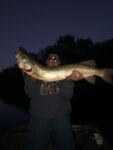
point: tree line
(71, 50)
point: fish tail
(108, 73)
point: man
(49, 109)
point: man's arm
(29, 86)
(67, 88)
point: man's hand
(76, 76)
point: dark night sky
(35, 24)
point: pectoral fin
(91, 79)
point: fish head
(24, 61)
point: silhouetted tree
(70, 51)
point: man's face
(53, 61)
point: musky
(36, 24)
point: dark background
(77, 30)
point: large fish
(36, 70)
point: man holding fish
(50, 108)
(50, 89)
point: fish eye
(24, 60)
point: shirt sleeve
(29, 86)
(67, 88)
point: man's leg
(38, 135)
(62, 131)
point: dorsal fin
(90, 63)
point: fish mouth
(28, 70)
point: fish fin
(108, 73)
(91, 63)
(91, 79)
